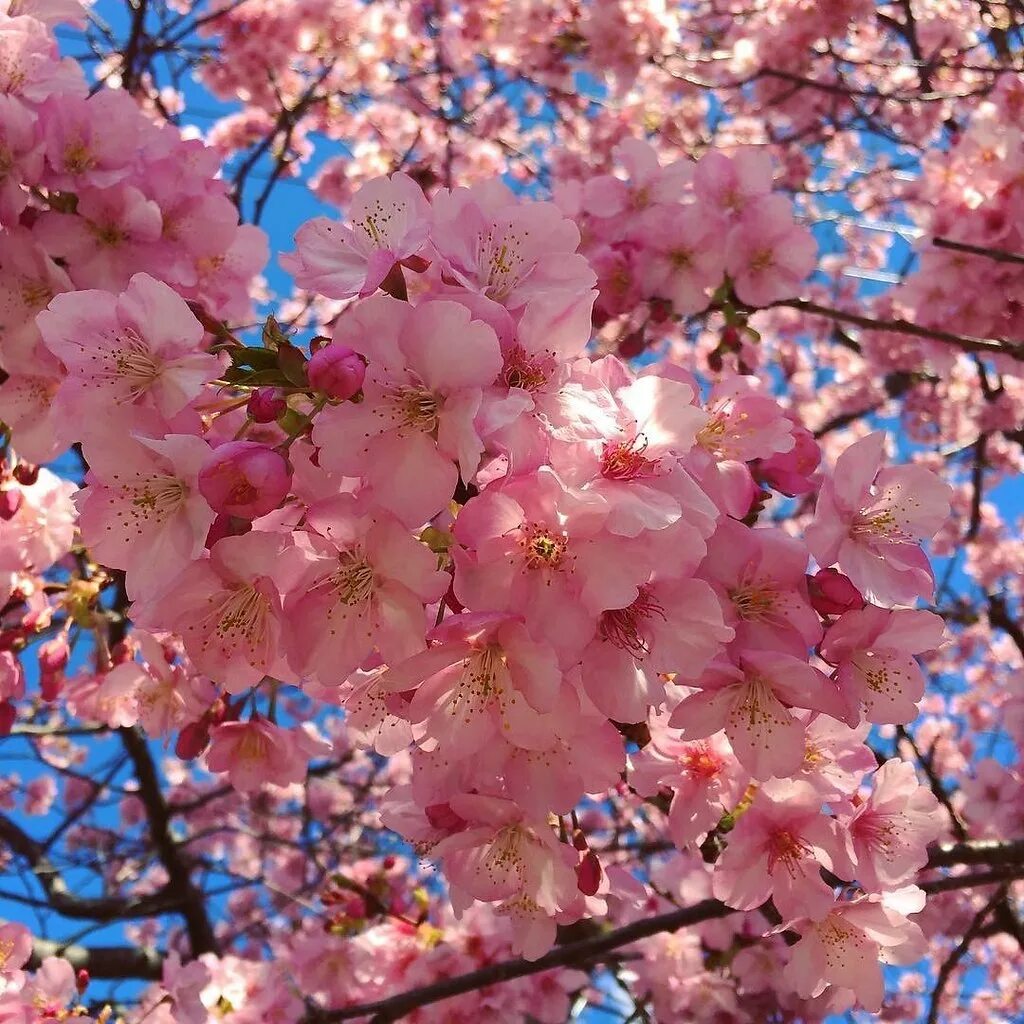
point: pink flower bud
(790, 472)
(832, 593)
(266, 404)
(588, 874)
(245, 479)
(26, 474)
(10, 502)
(441, 816)
(82, 981)
(50, 685)
(337, 371)
(192, 740)
(53, 655)
(12, 677)
(8, 716)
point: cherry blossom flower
(258, 752)
(138, 348)
(752, 702)
(413, 433)
(870, 520)
(141, 510)
(873, 650)
(365, 588)
(777, 848)
(389, 220)
(847, 948)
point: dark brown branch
(179, 881)
(1006, 858)
(965, 342)
(999, 255)
(386, 1010)
(103, 962)
(949, 964)
(62, 901)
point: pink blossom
(42, 529)
(705, 780)
(846, 948)
(244, 479)
(891, 830)
(258, 752)
(777, 848)
(15, 947)
(673, 626)
(873, 650)
(20, 158)
(365, 587)
(141, 348)
(413, 434)
(647, 184)
(227, 608)
(90, 143)
(686, 261)
(760, 575)
(109, 237)
(389, 219)
(536, 549)
(767, 255)
(141, 510)
(869, 521)
(752, 703)
(730, 185)
(28, 68)
(184, 983)
(502, 857)
(512, 252)
(483, 678)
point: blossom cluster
(92, 190)
(538, 578)
(492, 548)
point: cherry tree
(571, 570)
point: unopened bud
(832, 593)
(245, 479)
(337, 371)
(266, 404)
(192, 740)
(8, 716)
(588, 874)
(26, 473)
(10, 502)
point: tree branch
(965, 342)
(104, 962)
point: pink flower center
(881, 525)
(786, 849)
(625, 628)
(753, 603)
(625, 460)
(543, 549)
(354, 581)
(77, 158)
(36, 294)
(520, 371)
(702, 762)
(417, 406)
